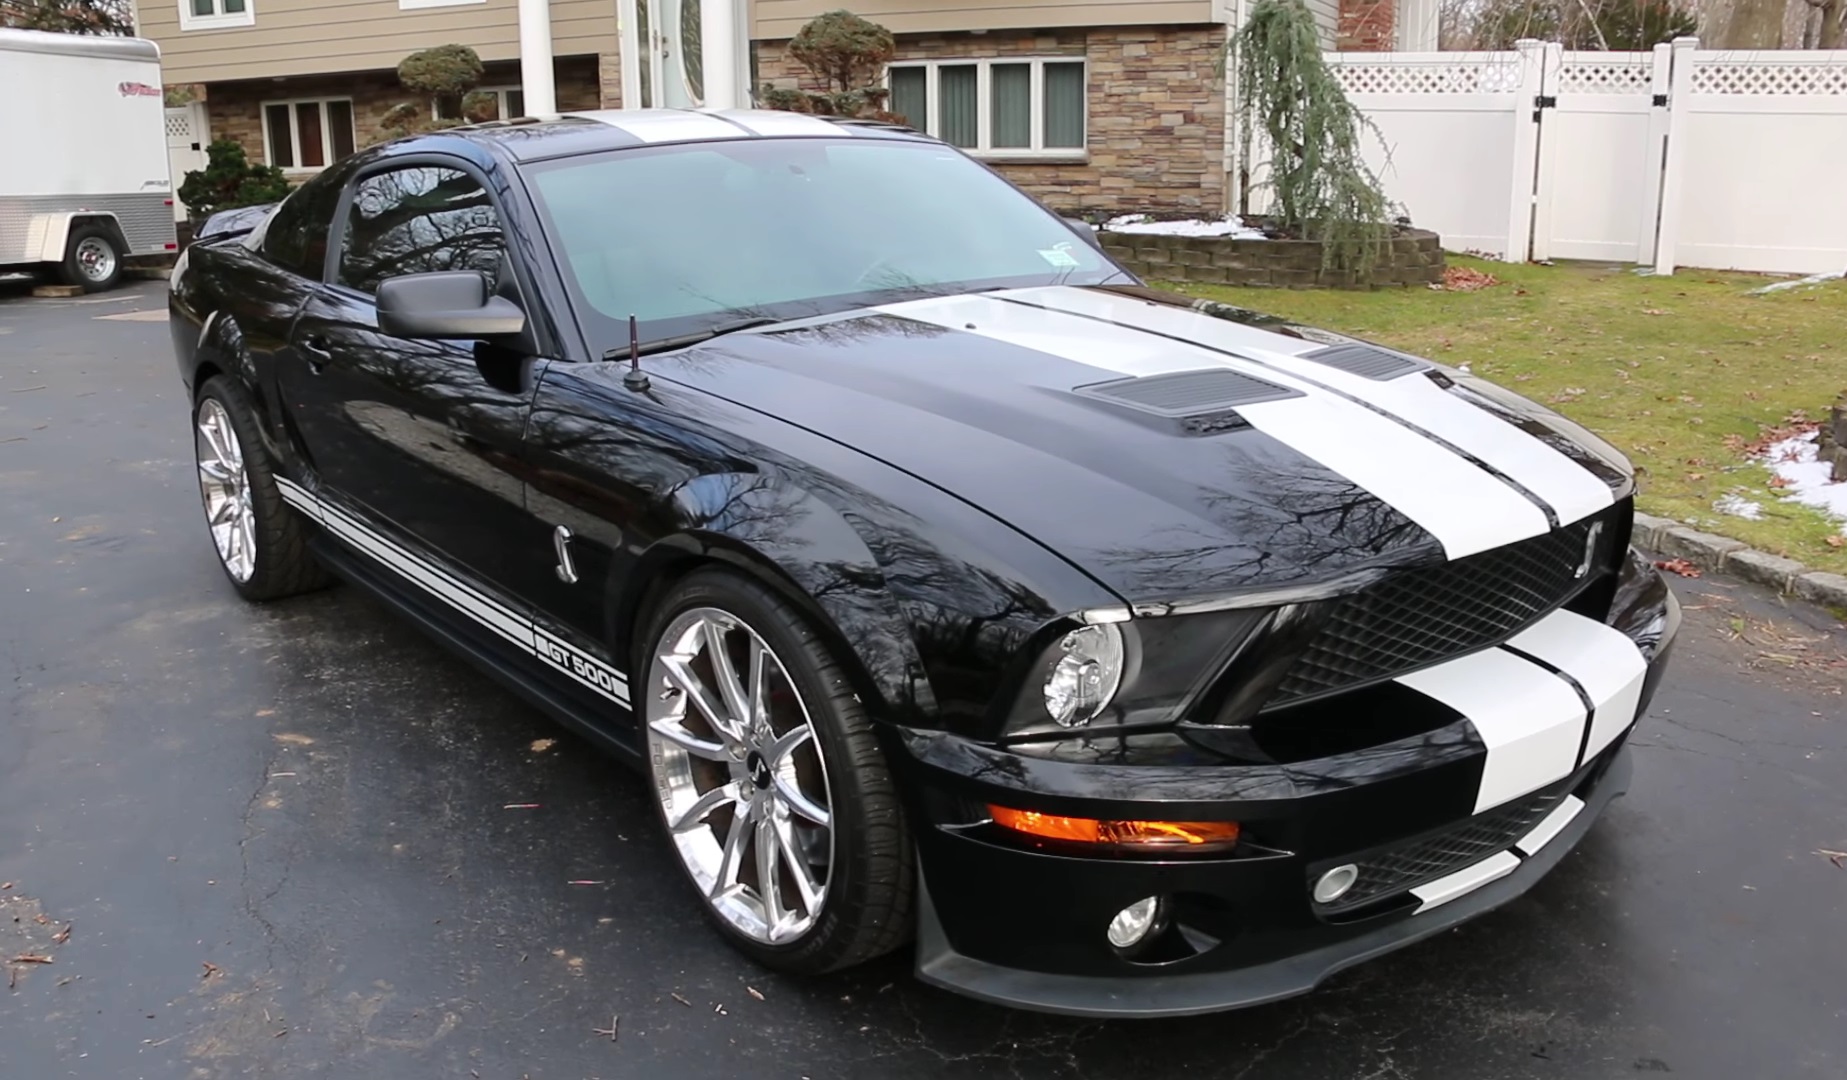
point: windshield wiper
(669, 344)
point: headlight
(1086, 677)
(1083, 678)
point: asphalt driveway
(300, 840)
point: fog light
(1132, 923)
(1335, 883)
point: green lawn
(1674, 371)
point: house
(302, 83)
(1091, 106)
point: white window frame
(413, 5)
(984, 106)
(295, 131)
(223, 20)
(500, 94)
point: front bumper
(1156, 995)
(1021, 923)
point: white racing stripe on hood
(1530, 720)
(1466, 508)
(1568, 488)
(1603, 660)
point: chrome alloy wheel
(740, 775)
(95, 259)
(226, 490)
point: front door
(664, 38)
(419, 439)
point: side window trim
(528, 293)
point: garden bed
(1254, 255)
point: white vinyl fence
(186, 138)
(1679, 156)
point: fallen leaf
(754, 992)
(211, 969)
(539, 746)
(680, 999)
(1835, 541)
(28, 958)
(1834, 857)
(1779, 481)
(1677, 566)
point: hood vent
(1367, 361)
(1189, 393)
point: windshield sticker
(1060, 257)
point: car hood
(1178, 452)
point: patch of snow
(1230, 225)
(1739, 506)
(1798, 460)
(1800, 283)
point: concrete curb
(1718, 553)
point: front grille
(1394, 870)
(1415, 618)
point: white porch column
(535, 57)
(724, 47)
(1417, 25)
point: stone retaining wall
(1415, 258)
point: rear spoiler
(228, 223)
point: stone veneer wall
(1415, 258)
(235, 109)
(1156, 112)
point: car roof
(568, 134)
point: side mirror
(1086, 230)
(448, 304)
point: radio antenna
(634, 378)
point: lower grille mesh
(1423, 860)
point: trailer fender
(47, 234)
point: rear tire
(262, 541)
(786, 750)
(92, 259)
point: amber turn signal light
(1161, 834)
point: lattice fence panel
(179, 125)
(1468, 77)
(1606, 73)
(1722, 75)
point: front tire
(262, 542)
(769, 780)
(92, 260)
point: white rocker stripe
(459, 595)
(1467, 509)
(1603, 660)
(1572, 491)
(1530, 720)
(1466, 880)
(1550, 826)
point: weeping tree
(1322, 188)
(847, 55)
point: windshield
(691, 237)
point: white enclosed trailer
(83, 155)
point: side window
(296, 236)
(417, 220)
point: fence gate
(186, 139)
(1601, 125)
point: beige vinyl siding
(1327, 20)
(311, 37)
(776, 19)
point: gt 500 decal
(585, 669)
(460, 595)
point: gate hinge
(1660, 101)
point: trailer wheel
(92, 260)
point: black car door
(416, 442)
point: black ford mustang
(1137, 656)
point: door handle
(315, 348)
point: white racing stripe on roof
(1467, 509)
(1603, 660)
(667, 125)
(1567, 487)
(764, 122)
(1530, 720)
